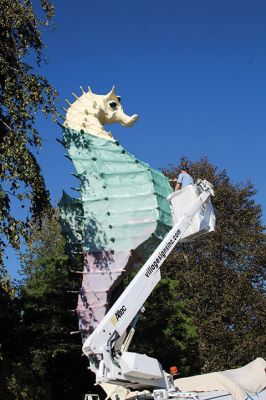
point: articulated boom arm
(111, 365)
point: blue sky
(193, 70)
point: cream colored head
(90, 112)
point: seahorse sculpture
(122, 212)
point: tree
(16, 379)
(223, 275)
(9, 315)
(48, 347)
(166, 330)
(23, 92)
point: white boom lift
(106, 347)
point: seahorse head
(90, 112)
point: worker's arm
(179, 182)
(177, 186)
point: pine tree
(49, 317)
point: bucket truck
(107, 346)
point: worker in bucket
(183, 179)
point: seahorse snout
(127, 120)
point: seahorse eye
(113, 105)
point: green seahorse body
(123, 201)
(122, 207)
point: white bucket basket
(203, 222)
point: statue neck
(94, 126)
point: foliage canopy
(222, 275)
(23, 93)
(38, 346)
